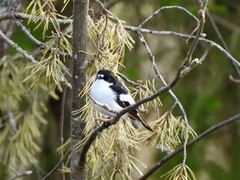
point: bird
(111, 96)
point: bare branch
(235, 67)
(27, 17)
(39, 43)
(24, 29)
(57, 165)
(157, 72)
(26, 173)
(189, 144)
(61, 126)
(168, 7)
(18, 49)
(234, 80)
(184, 36)
(191, 50)
(128, 80)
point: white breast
(101, 93)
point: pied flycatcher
(108, 92)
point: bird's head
(107, 76)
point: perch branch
(189, 144)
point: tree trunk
(80, 12)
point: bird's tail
(139, 120)
(145, 124)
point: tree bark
(80, 13)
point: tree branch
(184, 36)
(201, 23)
(167, 7)
(189, 144)
(236, 68)
(157, 72)
(57, 165)
(26, 173)
(80, 15)
(25, 16)
(18, 49)
(87, 144)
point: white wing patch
(127, 98)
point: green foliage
(22, 114)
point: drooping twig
(26, 173)
(235, 67)
(128, 80)
(18, 49)
(193, 46)
(157, 72)
(168, 7)
(39, 43)
(189, 144)
(184, 36)
(24, 29)
(57, 165)
(19, 15)
(62, 118)
(134, 29)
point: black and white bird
(107, 91)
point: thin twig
(26, 173)
(186, 62)
(201, 23)
(62, 118)
(19, 15)
(157, 72)
(189, 144)
(227, 24)
(234, 80)
(184, 36)
(18, 49)
(167, 7)
(57, 165)
(24, 29)
(236, 69)
(195, 62)
(133, 29)
(39, 43)
(128, 80)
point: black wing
(133, 114)
(118, 88)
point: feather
(134, 114)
